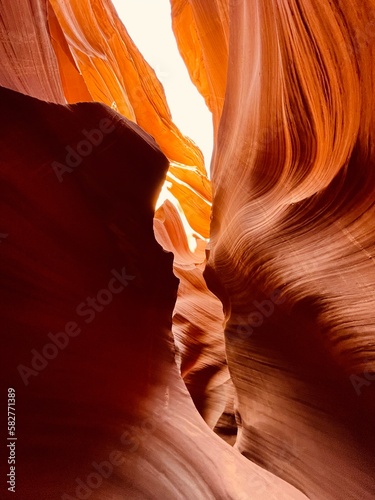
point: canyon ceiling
(137, 366)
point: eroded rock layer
(293, 240)
(76, 51)
(88, 295)
(86, 300)
(197, 320)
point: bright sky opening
(149, 24)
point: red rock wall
(86, 302)
(88, 295)
(292, 238)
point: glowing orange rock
(291, 250)
(202, 33)
(116, 74)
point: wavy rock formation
(107, 388)
(202, 34)
(197, 320)
(86, 301)
(76, 51)
(114, 72)
(292, 239)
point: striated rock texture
(293, 239)
(115, 73)
(79, 50)
(198, 321)
(88, 295)
(98, 61)
(202, 34)
(28, 61)
(86, 303)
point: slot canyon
(217, 343)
